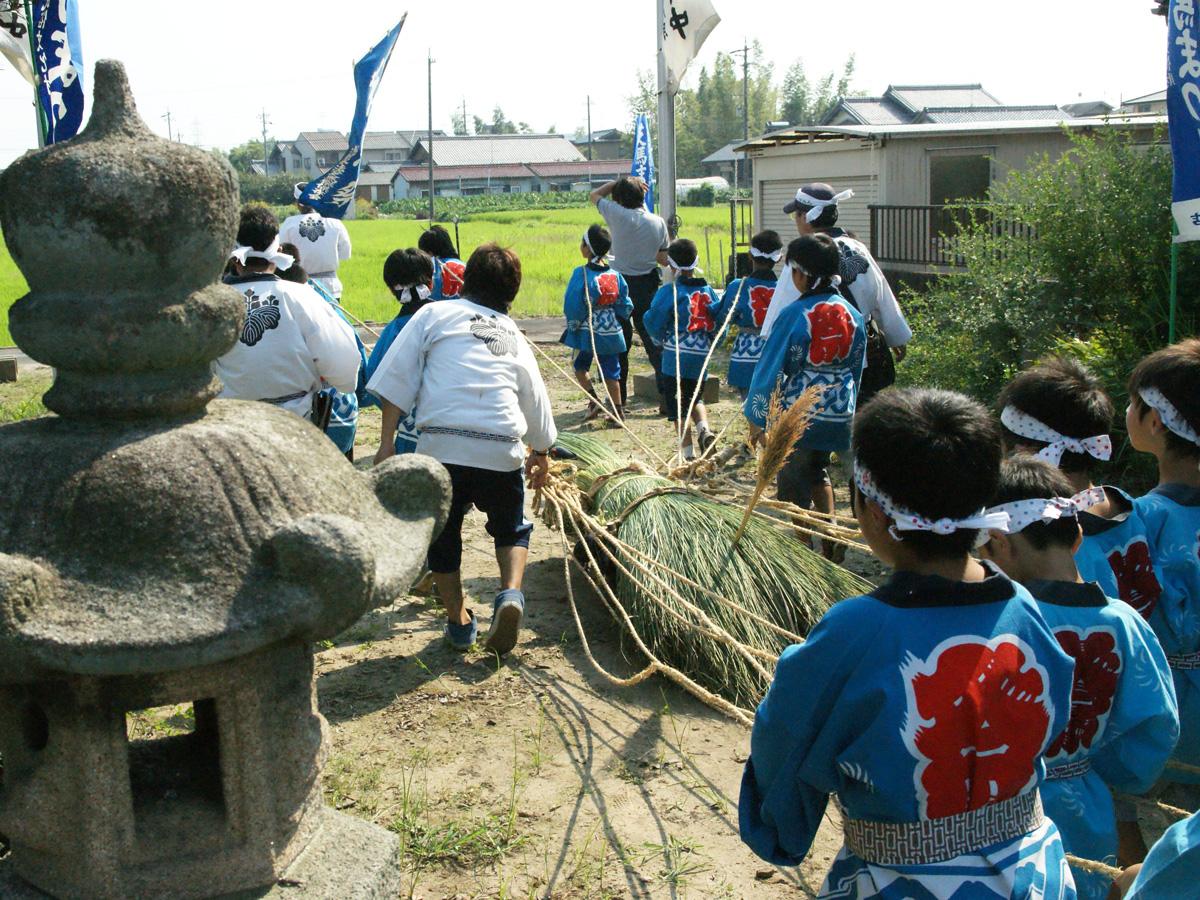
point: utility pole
(465, 132)
(431, 136)
(666, 134)
(170, 135)
(589, 120)
(745, 51)
(266, 155)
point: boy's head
(297, 190)
(800, 208)
(404, 270)
(436, 242)
(596, 242)
(814, 260)
(295, 272)
(492, 277)
(682, 255)
(1164, 402)
(933, 453)
(1043, 536)
(766, 249)
(1060, 395)
(628, 192)
(257, 229)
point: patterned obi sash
(1184, 661)
(279, 401)
(1069, 770)
(938, 840)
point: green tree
(805, 103)
(458, 122)
(499, 124)
(241, 156)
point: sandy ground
(536, 777)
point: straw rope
(1167, 808)
(1096, 868)
(359, 321)
(1183, 767)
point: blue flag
(643, 157)
(332, 194)
(1183, 114)
(58, 65)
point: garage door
(853, 214)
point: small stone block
(348, 859)
(645, 387)
(8, 369)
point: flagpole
(666, 131)
(1174, 301)
(37, 94)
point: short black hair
(295, 272)
(628, 193)
(1175, 371)
(934, 452)
(683, 251)
(258, 227)
(407, 267)
(818, 255)
(766, 241)
(492, 277)
(827, 219)
(1025, 477)
(1062, 393)
(435, 241)
(599, 240)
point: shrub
(365, 209)
(275, 190)
(446, 208)
(701, 195)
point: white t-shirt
(292, 345)
(323, 244)
(474, 383)
(864, 280)
(638, 236)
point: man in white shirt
(479, 398)
(815, 211)
(293, 343)
(323, 243)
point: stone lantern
(160, 549)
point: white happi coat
(292, 345)
(323, 244)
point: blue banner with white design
(332, 194)
(643, 157)
(1183, 114)
(58, 66)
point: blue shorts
(498, 495)
(610, 364)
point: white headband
(1023, 513)
(298, 191)
(1026, 426)
(588, 243)
(282, 261)
(815, 280)
(678, 268)
(422, 289)
(1171, 417)
(907, 520)
(773, 257)
(818, 204)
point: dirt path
(537, 778)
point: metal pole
(431, 137)
(666, 132)
(1174, 285)
(589, 117)
(42, 124)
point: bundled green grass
(547, 241)
(769, 573)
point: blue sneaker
(507, 612)
(462, 637)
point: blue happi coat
(820, 340)
(922, 701)
(343, 419)
(609, 295)
(447, 278)
(749, 298)
(1115, 554)
(1124, 722)
(685, 348)
(1172, 867)
(406, 433)
(1171, 513)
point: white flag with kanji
(686, 25)
(14, 38)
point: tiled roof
(919, 96)
(502, 149)
(419, 174)
(725, 154)
(324, 140)
(875, 110)
(1156, 97)
(948, 115)
(370, 178)
(596, 167)
(395, 140)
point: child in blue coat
(1163, 419)
(447, 280)
(408, 274)
(926, 705)
(1124, 721)
(595, 303)
(682, 320)
(749, 298)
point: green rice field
(546, 240)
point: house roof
(381, 168)
(324, 140)
(916, 97)
(395, 140)
(608, 135)
(501, 149)
(576, 167)
(901, 104)
(725, 155)
(1088, 108)
(871, 110)
(420, 174)
(946, 115)
(812, 134)
(371, 178)
(1156, 97)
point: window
(955, 177)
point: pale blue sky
(215, 65)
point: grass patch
(22, 399)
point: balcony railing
(924, 235)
